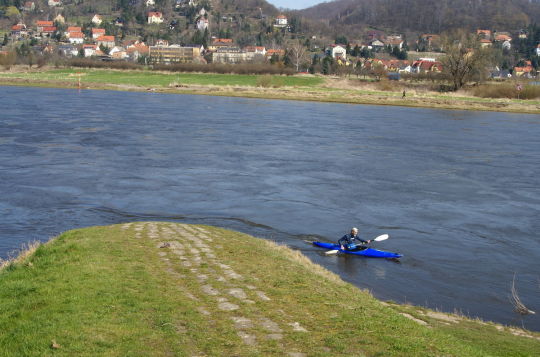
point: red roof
(76, 35)
(503, 38)
(96, 31)
(44, 23)
(74, 29)
(154, 14)
(222, 40)
(18, 27)
(105, 39)
(49, 28)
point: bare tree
(465, 60)
(297, 54)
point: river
(457, 191)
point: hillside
(427, 15)
(166, 289)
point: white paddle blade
(382, 237)
(330, 252)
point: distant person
(403, 94)
(348, 241)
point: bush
(93, 63)
(506, 90)
(222, 68)
(264, 81)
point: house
(97, 19)
(429, 42)
(274, 52)
(106, 41)
(76, 38)
(202, 24)
(71, 29)
(118, 52)
(336, 51)
(19, 30)
(155, 17)
(232, 55)
(68, 50)
(59, 19)
(53, 3)
(483, 34)
(524, 71)
(281, 21)
(395, 42)
(119, 22)
(506, 45)
(40, 24)
(90, 50)
(48, 30)
(29, 6)
(136, 50)
(220, 42)
(202, 12)
(170, 54)
(537, 50)
(502, 36)
(96, 33)
(150, 3)
(424, 65)
(376, 45)
(254, 52)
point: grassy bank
(156, 289)
(308, 88)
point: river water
(458, 191)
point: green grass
(149, 78)
(105, 291)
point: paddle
(378, 239)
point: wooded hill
(432, 16)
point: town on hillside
(154, 32)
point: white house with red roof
(40, 24)
(76, 38)
(97, 19)
(107, 41)
(19, 30)
(155, 17)
(97, 33)
(281, 21)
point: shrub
(223, 68)
(264, 81)
(92, 63)
(506, 90)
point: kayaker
(348, 241)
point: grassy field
(161, 79)
(164, 289)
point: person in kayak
(348, 241)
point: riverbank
(174, 289)
(300, 87)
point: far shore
(299, 87)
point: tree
(464, 59)
(8, 60)
(297, 54)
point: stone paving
(192, 246)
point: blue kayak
(368, 252)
